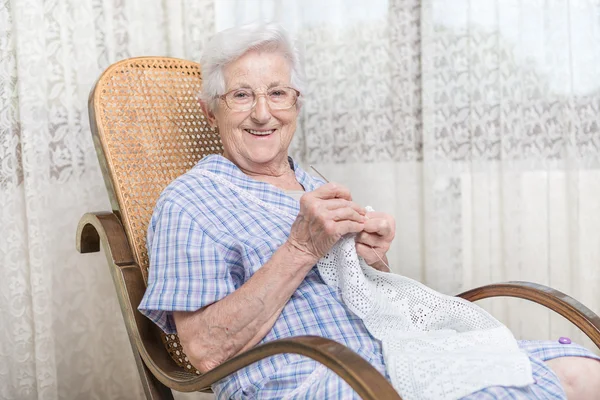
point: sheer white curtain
(475, 122)
(61, 330)
(511, 151)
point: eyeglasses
(244, 99)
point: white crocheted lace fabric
(435, 346)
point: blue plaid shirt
(205, 240)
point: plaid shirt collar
(220, 165)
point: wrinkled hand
(326, 214)
(378, 232)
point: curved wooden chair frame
(148, 129)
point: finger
(344, 227)
(365, 252)
(379, 226)
(332, 191)
(388, 230)
(332, 204)
(371, 239)
(377, 214)
(372, 257)
(365, 238)
(345, 214)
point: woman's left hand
(377, 235)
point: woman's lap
(315, 381)
(547, 384)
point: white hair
(230, 44)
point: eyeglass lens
(244, 99)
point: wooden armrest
(581, 316)
(352, 368)
(106, 228)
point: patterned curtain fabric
(511, 151)
(475, 122)
(61, 330)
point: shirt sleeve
(188, 269)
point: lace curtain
(61, 332)
(511, 152)
(475, 122)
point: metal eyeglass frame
(257, 95)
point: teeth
(261, 133)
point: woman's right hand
(326, 214)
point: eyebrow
(275, 84)
(246, 86)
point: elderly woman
(228, 273)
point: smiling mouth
(260, 133)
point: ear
(210, 116)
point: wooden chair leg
(153, 388)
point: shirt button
(564, 340)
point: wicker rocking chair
(148, 129)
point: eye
(241, 94)
(278, 92)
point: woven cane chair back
(148, 129)
(151, 129)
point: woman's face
(258, 139)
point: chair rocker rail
(561, 303)
(105, 228)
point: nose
(261, 113)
